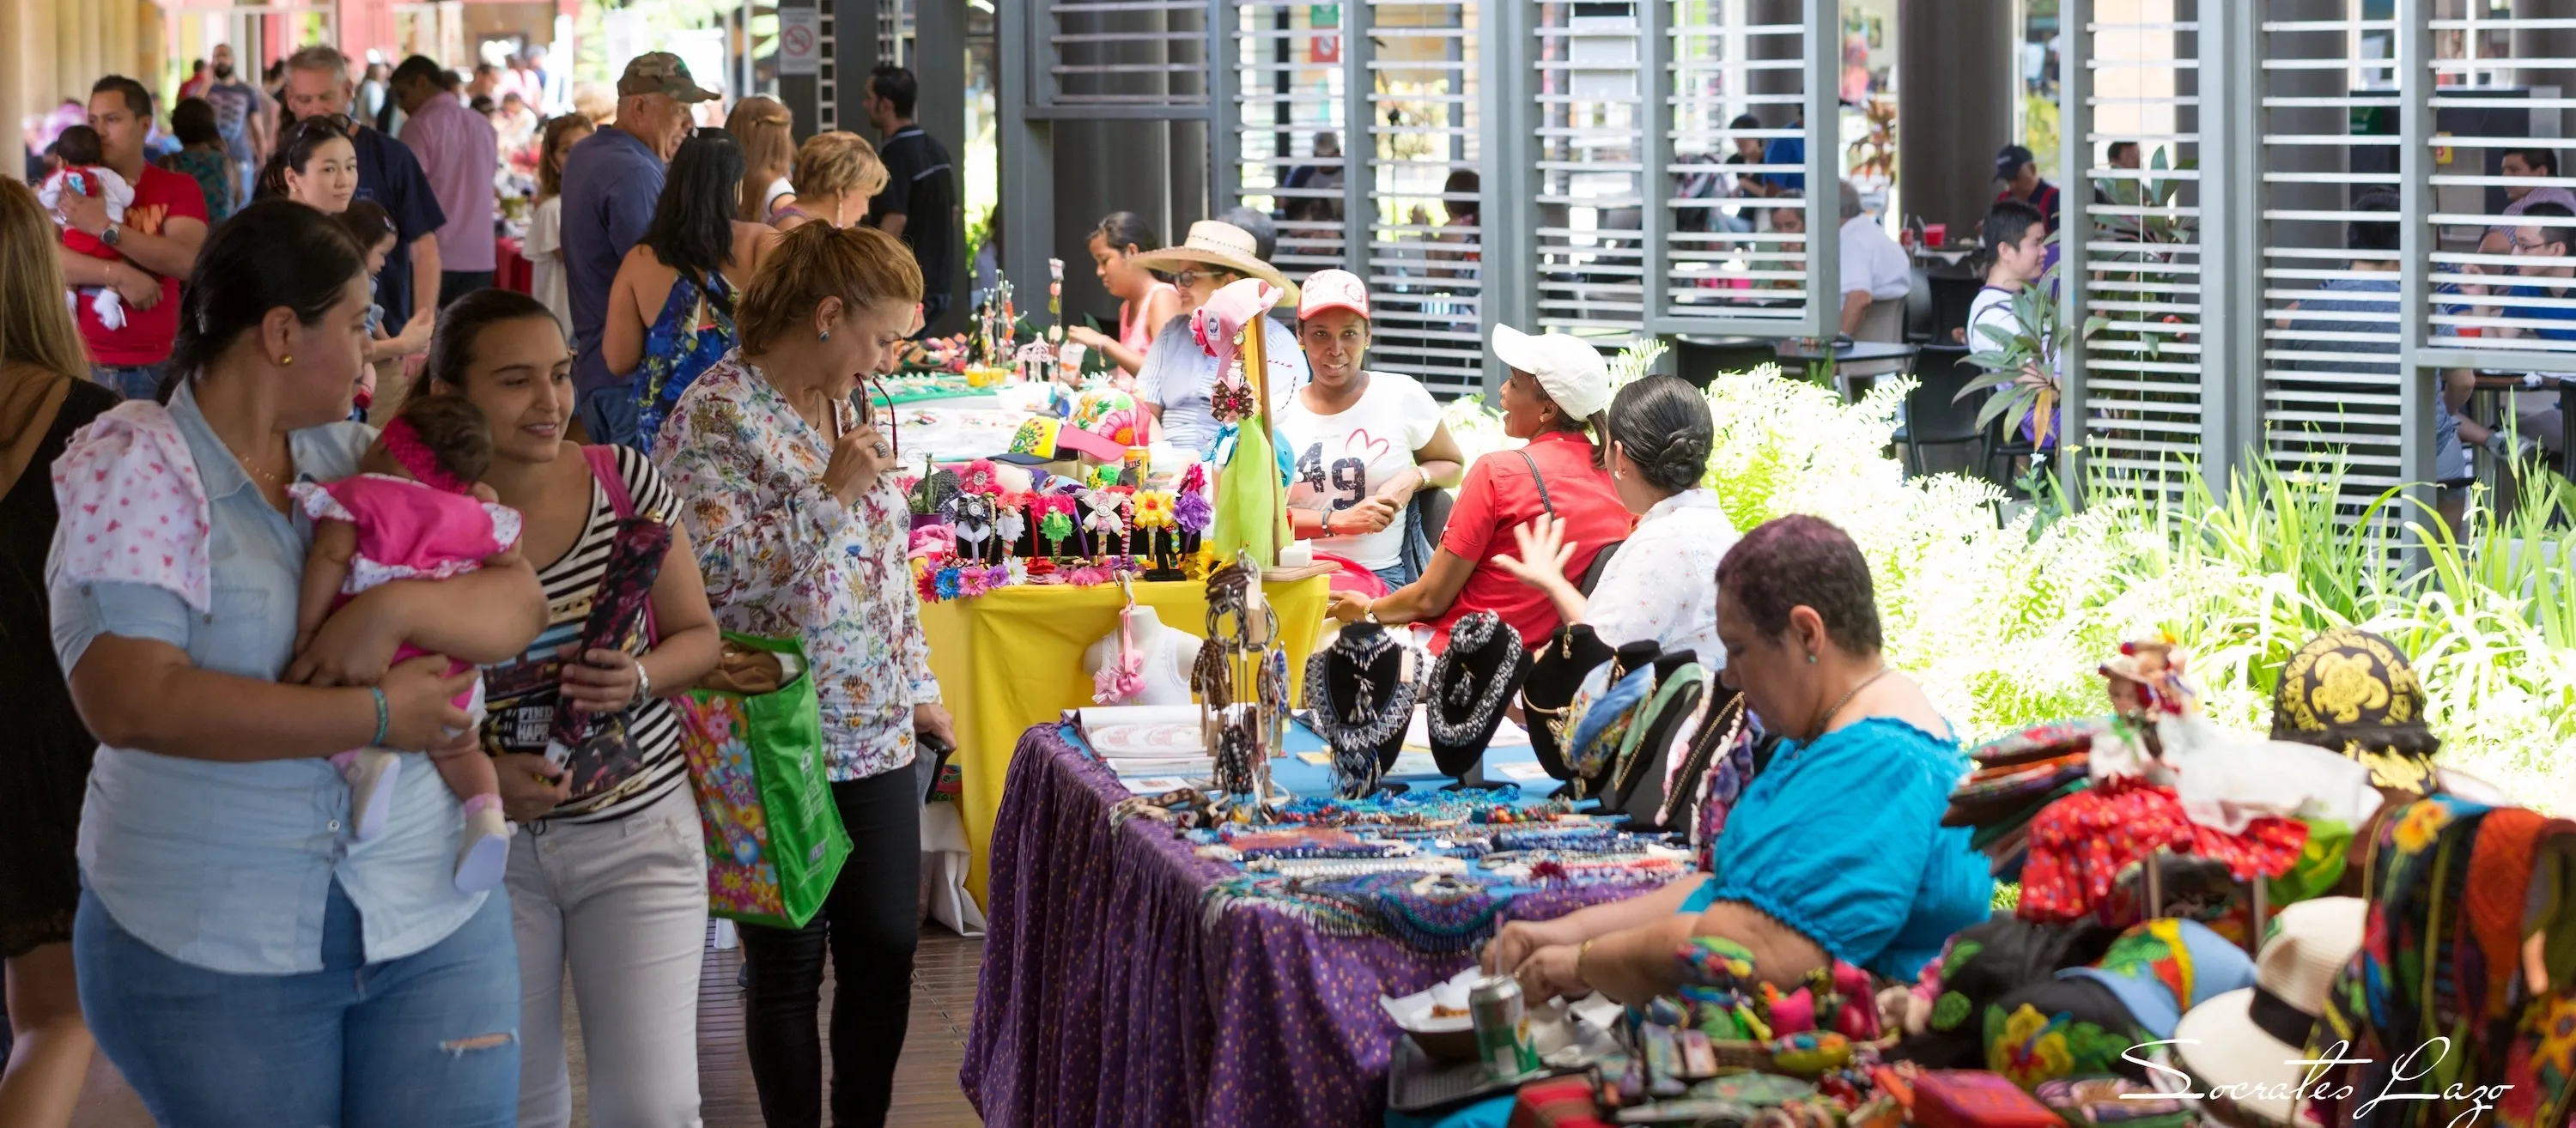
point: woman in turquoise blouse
(1836, 850)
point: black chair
(2003, 443)
(1933, 414)
(1435, 504)
(1920, 318)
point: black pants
(454, 284)
(870, 923)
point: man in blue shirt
(611, 180)
(317, 85)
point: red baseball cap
(1332, 289)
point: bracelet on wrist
(643, 685)
(384, 717)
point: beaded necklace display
(1472, 634)
(1358, 728)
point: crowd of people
(340, 426)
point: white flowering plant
(2005, 622)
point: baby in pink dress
(414, 511)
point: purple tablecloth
(1107, 999)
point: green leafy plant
(2005, 625)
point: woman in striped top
(611, 876)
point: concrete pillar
(92, 56)
(2308, 160)
(2546, 43)
(68, 82)
(16, 24)
(1957, 74)
(939, 60)
(1775, 13)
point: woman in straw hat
(1178, 374)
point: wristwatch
(114, 232)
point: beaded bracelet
(384, 718)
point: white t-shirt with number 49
(1343, 458)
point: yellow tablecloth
(1012, 658)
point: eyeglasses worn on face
(1191, 276)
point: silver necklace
(1357, 730)
(1853, 692)
(1472, 634)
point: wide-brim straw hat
(2249, 1043)
(1216, 243)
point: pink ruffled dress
(411, 531)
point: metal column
(1510, 185)
(2231, 386)
(2075, 214)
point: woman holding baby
(245, 957)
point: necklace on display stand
(1361, 692)
(1464, 712)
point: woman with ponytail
(1662, 585)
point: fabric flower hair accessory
(1055, 519)
(980, 478)
(1153, 509)
(1104, 512)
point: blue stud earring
(825, 335)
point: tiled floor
(925, 1096)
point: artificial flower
(1010, 521)
(980, 478)
(926, 582)
(1153, 509)
(1087, 575)
(947, 583)
(972, 582)
(931, 542)
(1194, 479)
(1192, 512)
(1040, 568)
(1105, 515)
(998, 576)
(1018, 569)
(1055, 526)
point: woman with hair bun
(1662, 584)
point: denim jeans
(871, 924)
(133, 381)
(1397, 575)
(429, 1038)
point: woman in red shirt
(1554, 398)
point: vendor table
(1012, 658)
(1110, 995)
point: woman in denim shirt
(244, 960)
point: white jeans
(625, 903)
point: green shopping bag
(774, 839)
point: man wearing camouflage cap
(611, 180)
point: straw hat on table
(1221, 245)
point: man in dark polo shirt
(611, 180)
(919, 204)
(317, 85)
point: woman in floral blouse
(801, 532)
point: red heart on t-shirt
(1359, 442)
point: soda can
(1502, 1028)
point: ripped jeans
(430, 1038)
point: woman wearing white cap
(1178, 374)
(1362, 442)
(1555, 397)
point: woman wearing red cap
(1362, 441)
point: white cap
(1570, 370)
